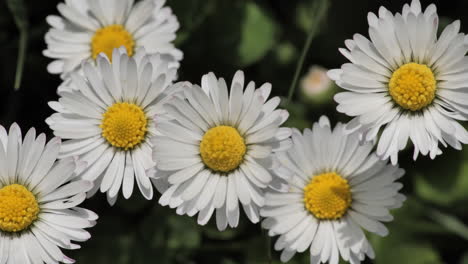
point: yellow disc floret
(327, 196)
(222, 148)
(124, 125)
(413, 86)
(18, 208)
(110, 37)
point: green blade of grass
(19, 12)
(450, 223)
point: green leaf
(412, 219)
(451, 223)
(258, 34)
(303, 18)
(406, 242)
(464, 259)
(19, 11)
(285, 53)
(446, 185)
(228, 261)
(184, 232)
(407, 253)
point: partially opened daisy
(406, 82)
(38, 200)
(89, 27)
(218, 147)
(107, 116)
(337, 188)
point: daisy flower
(406, 83)
(337, 188)
(316, 82)
(107, 117)
(87, 28)
(38, 199)
(217, 149)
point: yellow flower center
(124, 125)
(18, 208)
(108, 38)
(413, 86)
(222, 148)
(327, 196)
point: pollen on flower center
(222, 148)
(110, 37)
(327, 196)
(18, 208)
(413, 86)
(124, 125)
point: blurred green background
(265, 39)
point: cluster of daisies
(219, 148)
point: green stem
(270, 258)
(319, 13)
(23, 40)
(267, 245)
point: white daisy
(90, 27)
(217, 149)
(337, 187)
(407, 82)
(38, 199)
(108, 119)
(316, 82)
